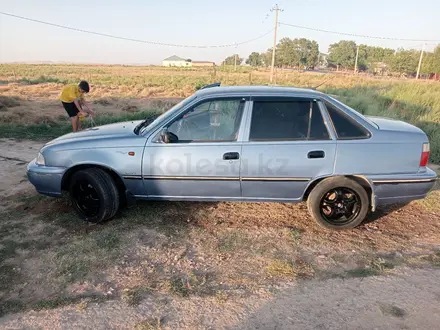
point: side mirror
(167, 137)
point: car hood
(100, 132)
(395, 125)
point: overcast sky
(200, 23)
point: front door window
(211, 121)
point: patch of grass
(55, 303)
(278, 268)
(8, 276)
(375, 266)
(195, 283)
(232, 241)
(295, 234)
(134, 296)
(297, 268)
(221, 296)
(7, 228)
(362, 272)
(84, 254)
(180, 287)
(68, 221)
(10, 307)
(17, 306)
(433, 259)
(149, 324)
(11, 215)
(392, 310)
(62, 301)
(32, 199)
(431, 202)
(381, 265)
(9, 101)
(8, 249)
(108, 240)
(41, 80)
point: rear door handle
(316, 154)
(231, 155)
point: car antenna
(314, 88)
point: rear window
(354, 112)
(346, 128)
(285, 120)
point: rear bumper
(399, 189)
(46, 179)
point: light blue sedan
(258, 144)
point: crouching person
(72, 98)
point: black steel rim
(86, 198)
(340, 206)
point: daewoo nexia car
(259, 144)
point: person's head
(84, 86)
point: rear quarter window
(346, 127)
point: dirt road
(407, 298)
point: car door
(288, 144)
(204, 162)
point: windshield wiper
(145, 123)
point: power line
(137, 40)
(357, 35)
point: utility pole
(276, 9)
(356, 62)
(420, 62)
(235, 62)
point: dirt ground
(210, 265)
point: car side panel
(377, 157)
(282, 169)
(116, 159)
(195, 169)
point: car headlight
(40, 159)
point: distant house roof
(174, 58)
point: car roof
(259, 90)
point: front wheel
(94, 195)
(338, 203)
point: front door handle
(231, 155)
(316, 154)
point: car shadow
(382, 211)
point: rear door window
(286, 120)
(346, 127)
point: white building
(176, 61)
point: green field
(417, 102)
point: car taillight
(425, 155)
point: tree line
(303, 53)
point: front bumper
(397, 189)
(46, 179)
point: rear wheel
(94, 195)
(338, 203)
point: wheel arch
(360, 179)
(114, 174)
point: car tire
(338, 196)
(94, 195)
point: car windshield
(140, 129)
(356, 113)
